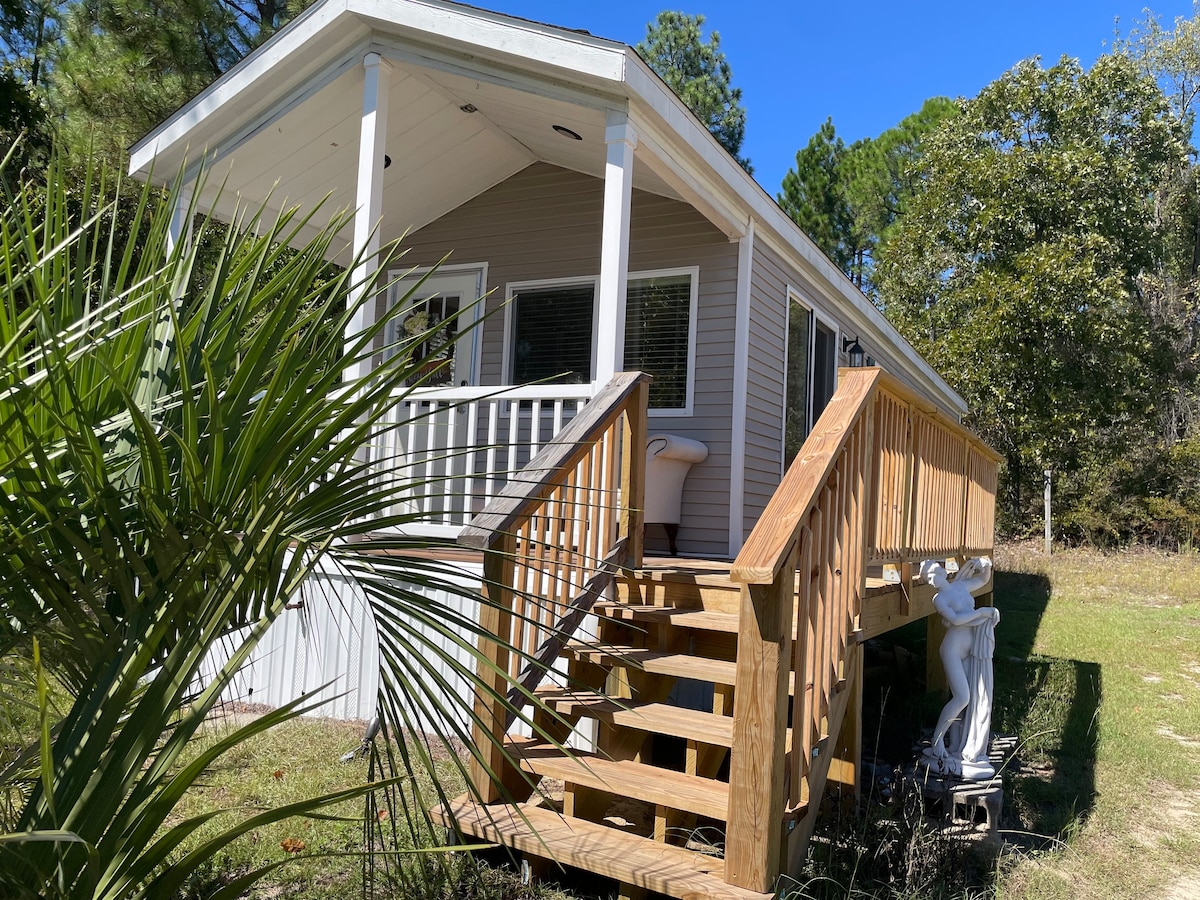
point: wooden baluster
(472, 440)
(587, 560)
(812, 723)
(612, 481)
(492, 438)
(909, 511)
(828, 564)
(802, 697)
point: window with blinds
(658, 313)
(552, 334)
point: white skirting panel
(326, 645)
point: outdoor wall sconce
(855, 350)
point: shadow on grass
(1051, 705)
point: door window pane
(824, 369)
(434, 322)
(799, 380)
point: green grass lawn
(1112, 645)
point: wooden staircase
(724, 698)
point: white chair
(669, 457)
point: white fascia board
(719, 173)
(538, 46)
(417, 56)
(231, 87)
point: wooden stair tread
(678, 616)
(659, 718)
(667, 787)
(678, 665)
(681, 617)
(608, 852)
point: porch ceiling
(441, 156)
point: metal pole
(1046, 480)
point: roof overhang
(473, 99)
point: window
(658, 320)
(796, 409)
(811, 375)
(824, 368)
(551, 332)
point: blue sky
(866, 63)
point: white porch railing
(454, 447)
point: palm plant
(177, 456)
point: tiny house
(552, 173)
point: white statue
(960, 741)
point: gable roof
(474, 96)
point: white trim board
(741, 387)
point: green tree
(1172, 58)
(698, 72)
(1015, 268)
(847, 199)
(123, 66)
(814, 195)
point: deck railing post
(757, 765)
(495, 619)
(633, 475)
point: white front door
(442, 309)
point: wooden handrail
(769, 544)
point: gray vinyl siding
(769, 279)
(771, 276)
(544, 222)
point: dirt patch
(1172, 812)
(1181, 740)
(1184, 887)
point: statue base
(950, 764)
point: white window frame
(515, 287)
(693, 272)
(693, 306)
(399, 280)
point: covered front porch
(561, 201)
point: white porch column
(621, 140)
(179, 229)
(741, 382)
(369, 200)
